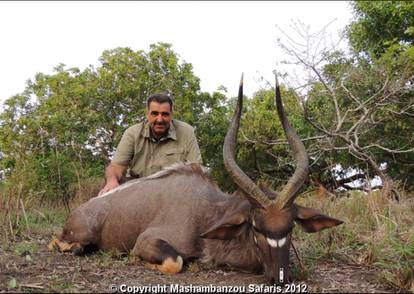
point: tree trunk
(388, 189)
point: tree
(354, 105)
(64, 127)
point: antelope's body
(175, 205)
(179, 213)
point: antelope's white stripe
(180, 261)
(272, 242)
(281, 242)
(276, 243)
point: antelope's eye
(258, 235)
(257, 230)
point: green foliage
(262, 152)
(380, 25)
(61, 131)
(64, 127)
(211, 129)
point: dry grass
(377, 232)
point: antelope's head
(271, 219)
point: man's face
(159, 116)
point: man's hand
(113, 173)
(110, 185)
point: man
(147, 147)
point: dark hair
(160, 98)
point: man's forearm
(114, 171)
(113, 174)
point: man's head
(159, 113)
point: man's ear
(312, 220)
(232, 224)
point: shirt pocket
(174, 155)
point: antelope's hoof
(64, 246)
(137, 261)
(169, 266)
(52, 245)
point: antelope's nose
(278, 277)
(282, 281)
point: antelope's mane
(180, 168)
(189, 169)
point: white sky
(220, 39)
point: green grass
(25, 248)
(15, 225)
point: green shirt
(144, 155)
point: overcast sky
(221, 39)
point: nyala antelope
(179, 214)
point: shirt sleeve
(193, 154)
(125, 150)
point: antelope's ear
(312, 220)
(231, 225)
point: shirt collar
(171, 133)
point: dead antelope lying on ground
(179, 213)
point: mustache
(160, 124)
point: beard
(159, 129)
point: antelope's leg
(158, 254)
